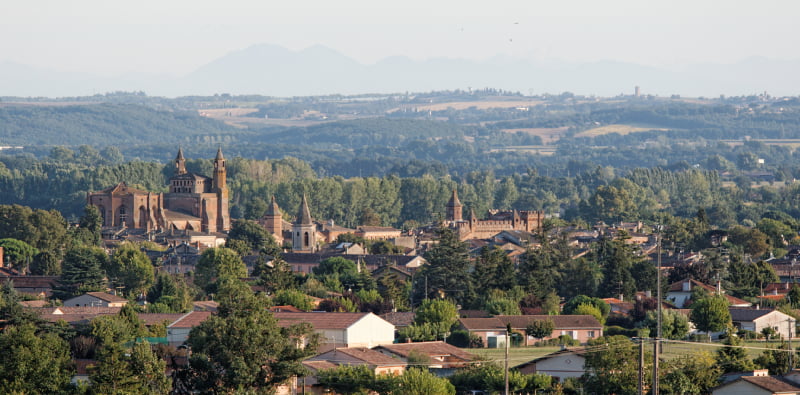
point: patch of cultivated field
(531, 149)
(480, 105)
(616, 128)
(548, 135)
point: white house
(96, 299)
(343, 329)
(757, 319)
(560, 364)
(759, 383)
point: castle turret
(454, 208)
(304, 236)
(180, 163)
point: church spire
(273, 209)
(304, 215)
(219, 154)
(180, 162)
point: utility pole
(656, 343)
(641, 366)
(508, 341)
(791, 350)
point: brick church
(194, 202)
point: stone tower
(220, 187)
(454, 208)
(304, 234)
(180, 163)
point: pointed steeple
(273, 209)
(304, 215)
(219, 154)
(454, 202)
(180, 162)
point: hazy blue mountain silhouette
(276, 71)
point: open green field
(670, 349)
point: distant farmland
(617, 128)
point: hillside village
(170, 265)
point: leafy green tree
(691, 374)
(294, 298)
(216, 264)
(590, 309)
(447, 272)
(612, 368)
(502, 306)
(82, 271)
(242, 348)
(493, 270)
(18, 254)
(674, 325)
(616, 258)
(579, 276)
(441, 314)
(276, 275)
(384, 247)
(488, 377)
(539, 273)
(732, 357)
(91, 222)
(11, 310)
(132, 268)
(255, 236)
(33, 362)
(46, 263)
(423, 382)
(540, 329)
(711, 314)
(170, 294)
(572, 305)
(776, 360)
(347, 379)
(149, 369)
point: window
(590, 334)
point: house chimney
(621, 297)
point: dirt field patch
(616, 128)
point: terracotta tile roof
(107, 297)
(561, 321)
(320, 320)
(319, 365)
(434, 349)
(771, 383)
(190, 319)
(370, 357)
(31, 281)
(158, 318)
(33, 303)
(475, 324)
(72, 319)
(399, 318)
(85, 310)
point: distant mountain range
(276, 71)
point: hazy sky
(178, 36)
